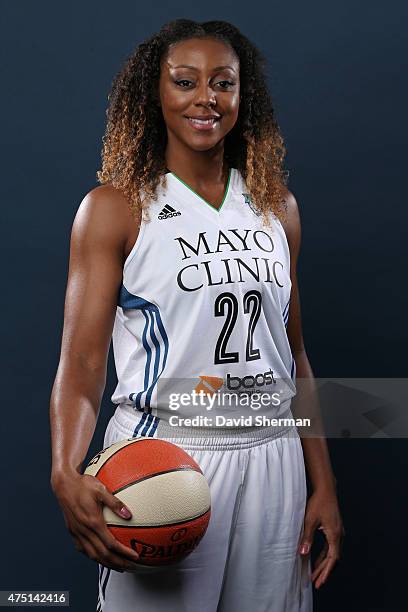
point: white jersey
(204, 304)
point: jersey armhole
(137, 244)
(284, 236)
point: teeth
(202, 121)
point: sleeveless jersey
(203, 305)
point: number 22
(227, 304)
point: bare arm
(322, 507)
(95, 272)
(99, 241)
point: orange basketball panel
(163, 545)
(136, 461)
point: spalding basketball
(166, 492)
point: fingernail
(304, 549)
(125, 512)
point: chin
(202, 145)
(202, 148)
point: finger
(322, 572)
(84, 530)
(113, 545)
(322, 556)
(113, 502)
(98, 526)
(317, 570)
(330, 550)
(307, 537)
(108, 558)
(324, 567)
(92, 518)
(102, 495)
(88, 541)
(330, 563)
(104, 555)
(86, 548)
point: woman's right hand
(82, 498)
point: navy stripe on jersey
(153, 330)
(149, 422)
(147, 364)
(99, 603)
(156, 360)
(103, 582)
(146, 426)
(293, 370)
(154, 427)
(285, 313)
(139, 425)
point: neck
(198, 167)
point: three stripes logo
(168, 212)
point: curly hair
(134, 143)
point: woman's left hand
(322, 511)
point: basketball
(166, 492)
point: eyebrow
(194, 67)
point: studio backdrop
(336, 72)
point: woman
(187, 251)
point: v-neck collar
(214, 208)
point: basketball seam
(116, 451)
(181, 469)
(183, 522)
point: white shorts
(247, 561)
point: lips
(203, 122)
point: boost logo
(248, 382)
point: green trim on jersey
(198, 195)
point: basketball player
(187, 254)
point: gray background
(336, 76)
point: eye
(183, 83)
(225, 84)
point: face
(199, 92)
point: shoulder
(106, 206)
(104, 214)
(291, 223)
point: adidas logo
(168, 211)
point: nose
(205, 96)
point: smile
(203, 124)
